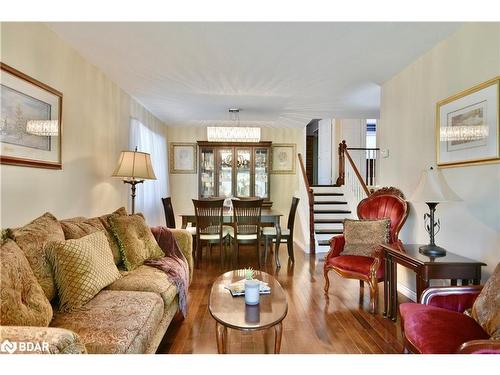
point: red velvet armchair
(383, 203)
(437, 325)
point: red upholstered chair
(437, 325)
(383, 203)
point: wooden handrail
(342, 154)
(310, 195)
(358, 175)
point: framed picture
(467, 126)
(283, 158)
(30, 121)
(182, 157)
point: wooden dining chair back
(209, 224)
(247, 223)
(169, 212)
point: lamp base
(432, 251)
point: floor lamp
(134, 167)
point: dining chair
(246, 224)
(269, 233)
(209, 225)
(169, 212)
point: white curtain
(151, 139)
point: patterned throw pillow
(362, 237)
(22, 300)
(486, 308)
(32, 239)
(81, 226)
(135, 240)
(82, 267)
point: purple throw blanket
(174, 264)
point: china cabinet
(237, 169)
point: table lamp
(433, 189)
(134, 167)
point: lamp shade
(433, 188)
(135, 165)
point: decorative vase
(252, 292)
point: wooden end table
(232, 312)
(451, 266)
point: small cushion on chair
(242, 237)
(355, 263)
(486, 308)
(362, 237)
(226, 230)
(433, 330)
(271, 231)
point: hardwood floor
(340, 323)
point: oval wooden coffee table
(232, 312)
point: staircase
(330, 210)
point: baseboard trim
(407, 292)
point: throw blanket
(174, 264)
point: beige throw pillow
(22, 300)
(486, 308)
(363, 237)
(81, 226)
(135, 240)
(32, 239)
(82, 268)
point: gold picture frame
(283, 157)
(183, 158)
(477, 110)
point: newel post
(341, 178)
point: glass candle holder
(252, 292)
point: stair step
(329, 202)
(329, 194)
(328, 231)
(324, 243)
(313, 186)
(328, 221)
(332, 211)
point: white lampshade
(47, 128)
(433, 188)
(135, 165)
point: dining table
(269, 217)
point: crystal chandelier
(233, 133)
(47, 128)
(463, 133)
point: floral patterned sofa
(129, 316)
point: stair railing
(310, 195)
(349, 174)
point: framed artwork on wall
(182, 157)
(467, 126)
(30, 121)
(283, 158)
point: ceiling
(279, 74)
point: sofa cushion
(82, 268)
(22, 300)
(80, 226)
(135, 240)
(115, 322)
(147, 279)
(363, 237)
(433, 330)
(355, 263)
(32, 239)
(486, 308)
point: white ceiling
(279, 74)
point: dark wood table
(452, 267)
(268, 217)
(232, 312)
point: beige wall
(96, 116)
(184, 187)
(470, 228)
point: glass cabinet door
(225, 172)
(207, 173)
(243, 172)
(262, 173)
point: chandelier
(463, 133)
(47, 128)
(233, 133)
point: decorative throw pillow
(135, 240)
(362, 237)
(486, 308)
(32, 239)
(82, 267)
(22, 300)
(79, 227)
